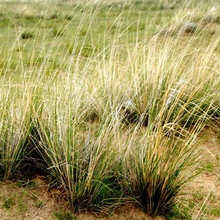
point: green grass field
(107, 98)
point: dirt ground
(36, 203)
(33, 201)
(205, 189)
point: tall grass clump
(156, 168)
(78, 153)
(168, 87)
(14, 128)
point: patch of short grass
(214, 211)
(64, 215)
(8, 202)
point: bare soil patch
(204, 191)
